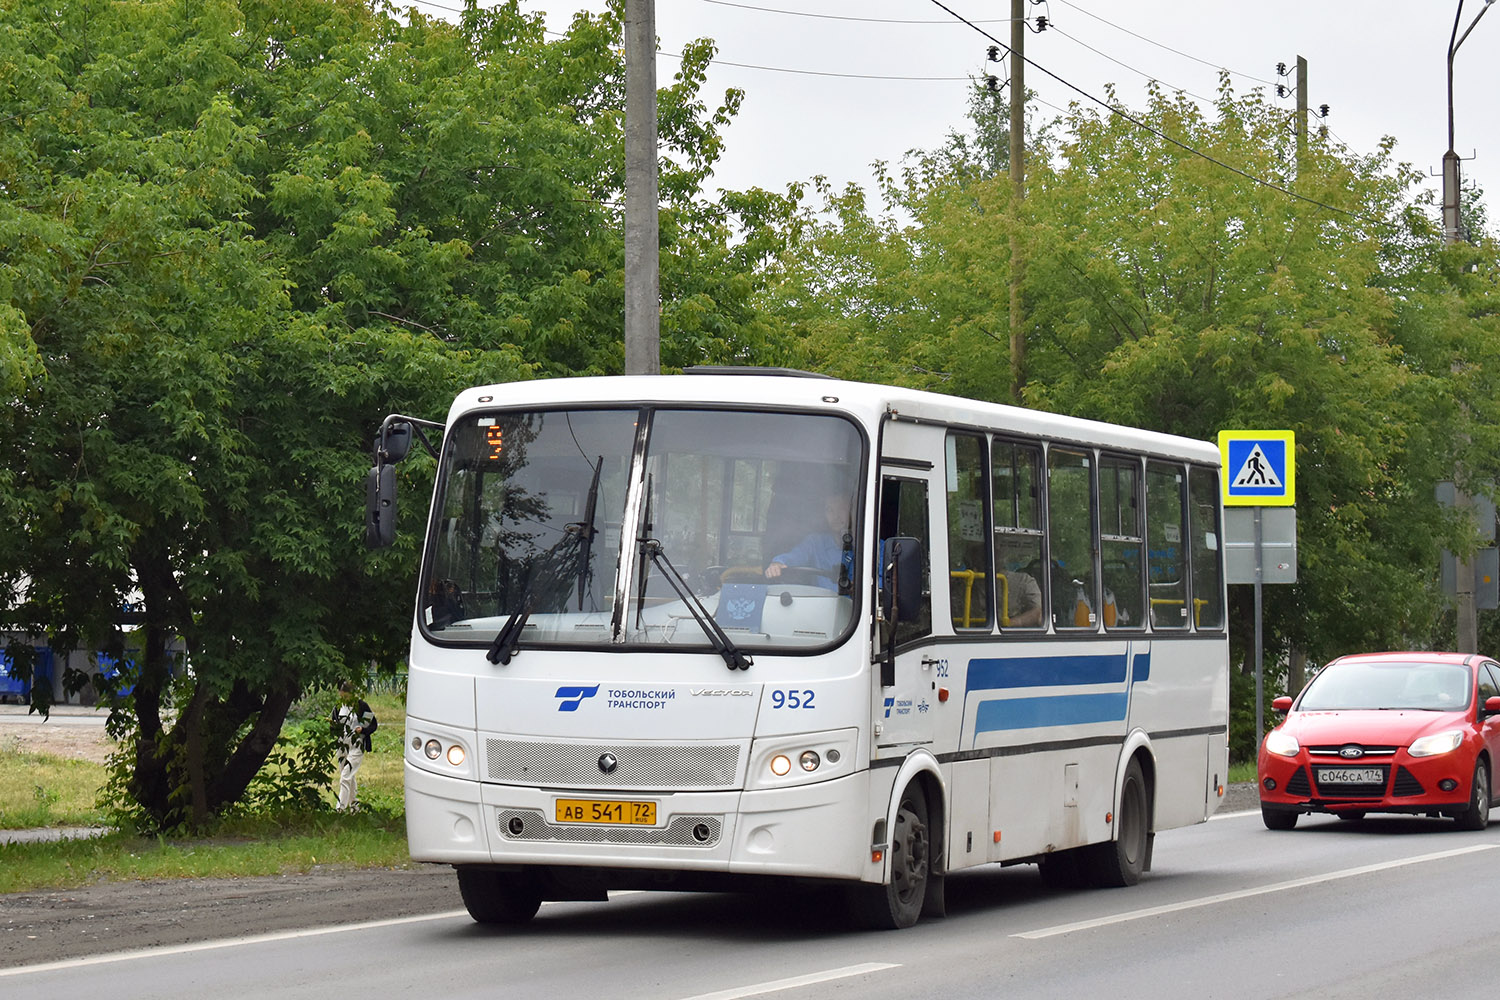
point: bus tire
(493, 897)
(1120, 862)
(898, 903)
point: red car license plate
(1351, 776)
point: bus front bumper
(820, 830)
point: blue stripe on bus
(1061, 710)
(1047, 671)
(1141, 670)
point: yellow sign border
(1287, 499)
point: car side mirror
(1284, 704)
(1492, 705)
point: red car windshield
(1389, 684)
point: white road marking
(1226, 897)
(790, 984)
(187, 949)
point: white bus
(704, 630)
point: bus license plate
(600, 811)
(1350, 776)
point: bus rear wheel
(493, 897)
(898, 903)
(1121, 861)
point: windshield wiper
(509, 638)
(717, 637)
(584, 531)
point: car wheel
(1278, 819)
(1477, 816)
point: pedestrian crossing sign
(1258, 468)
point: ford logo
(607, 763)
(1352, 752)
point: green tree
(233, 236)
(1164, 290)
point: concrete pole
(1018, 194)
(1467, 632)
(1301, 113)
(642, 237)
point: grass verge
(236, 849)
(40, 790)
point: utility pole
(1018, 193)
(1467, 632)
(1301, 112)
(642, 238)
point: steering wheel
(739, 574)
(810, 575)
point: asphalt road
(1331, 909)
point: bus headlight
(433, 749)
(779, 761)
(456, 755)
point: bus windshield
(631, 525)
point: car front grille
(1406, 783)
(1337, 750)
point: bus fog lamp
(432, 749)
(781, 765)
(809, 760)
(456, 755)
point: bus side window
(903, 513)
(1166, 555)
(970, 582)
(1070, 523)
(1207, 553)
(1120, 541)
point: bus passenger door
(904, 711)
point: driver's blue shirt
(820, 550)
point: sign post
(1259, 470)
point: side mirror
(1492, 706)
(901, 579)
(1284, 704)
(380, 506)
(395, 440)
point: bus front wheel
(898, 903)
(493, 897)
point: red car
(1386, 732)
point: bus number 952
(791, 699)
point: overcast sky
(1380, 65)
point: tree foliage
(234, 235)
(1172, 290)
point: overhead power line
(1143, 125)
(1150, 41)
(845, 17)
